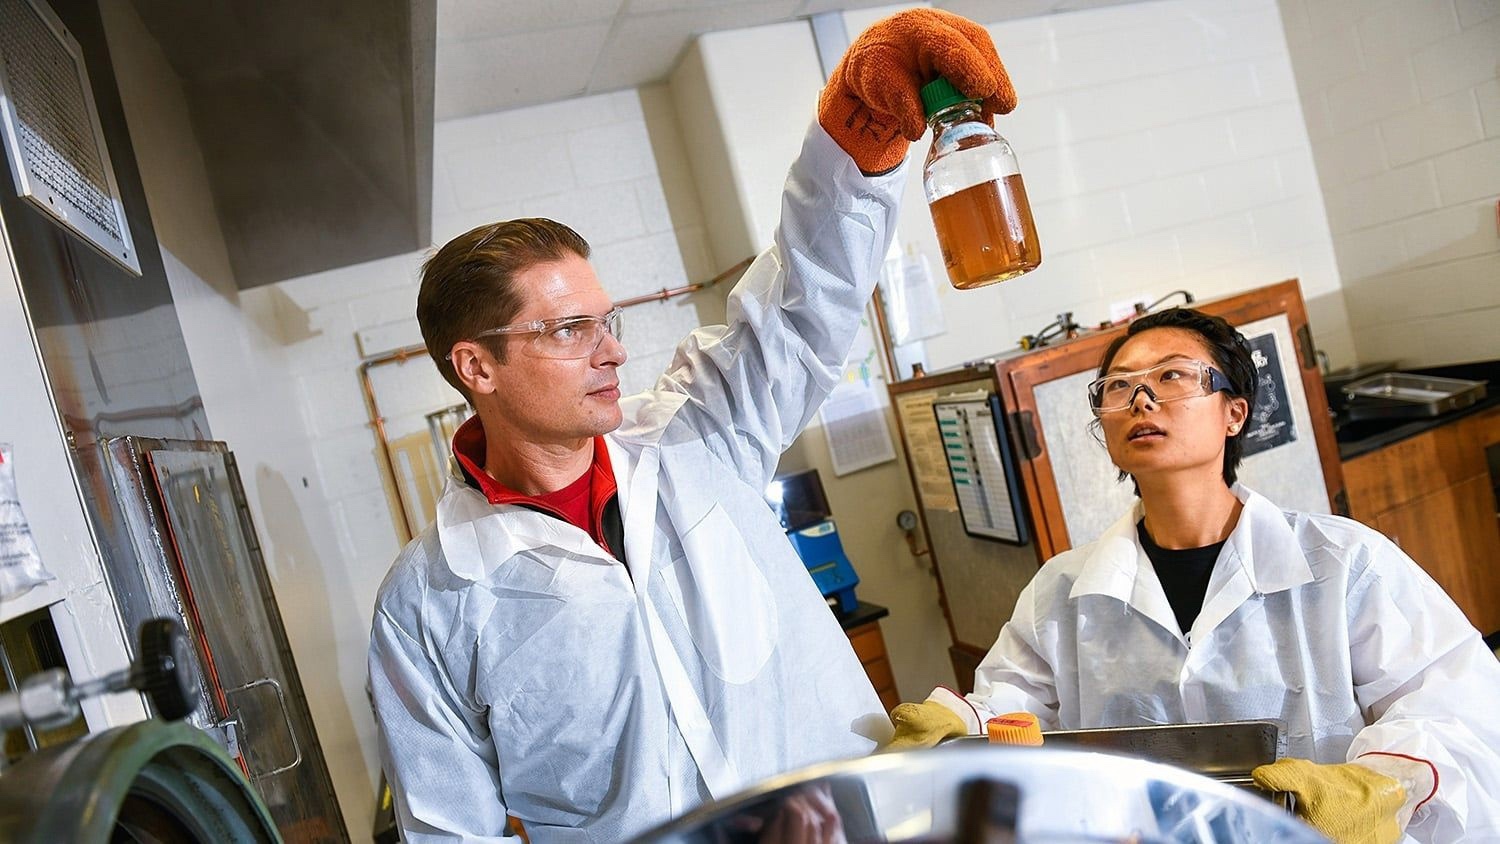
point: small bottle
(974, 189)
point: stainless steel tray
(1226, 751)
(1403, 395)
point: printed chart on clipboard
(983, 471)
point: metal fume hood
(315, 122)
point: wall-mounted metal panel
(200, 561)
(51, 130)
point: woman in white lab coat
(1207, 602)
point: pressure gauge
(906, 520)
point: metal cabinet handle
(285, 717)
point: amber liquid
(986, 233)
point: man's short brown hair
(468, 285)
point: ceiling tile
(462, 20)
(818, 7)
(639, 50)
(996, 11)
(645, 7)
(645, 47)
(711, 15)
(494, 55)
(494, 74)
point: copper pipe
(405, 353)
(400, 355)
(664, 293)
(911, 545)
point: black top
(1183, 574)
(862, 614)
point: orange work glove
(872, 105)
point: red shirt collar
(469, 449)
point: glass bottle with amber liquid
(974, 189)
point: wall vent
(51, 130)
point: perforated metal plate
(51, 130)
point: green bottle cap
(939, 94)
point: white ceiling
(494, 55)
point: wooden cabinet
(869, 646)
(1432, 494)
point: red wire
(216, 689)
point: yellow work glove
(1348, 802)
(924, 725)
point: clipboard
(982, 467)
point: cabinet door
(1452, 534)
(869, 646)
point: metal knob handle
(163, 670)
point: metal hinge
(227, 734)
(1307, 354)
(1341, 503)
(1023, 434)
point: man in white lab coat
(606, 626)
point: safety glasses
(563, 338)
(1169, 381)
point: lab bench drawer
(879, 672)
(868, 643)
(869, 646)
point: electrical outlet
(1125, 308)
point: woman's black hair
(1230, 352)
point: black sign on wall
(1270, 422)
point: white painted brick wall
(1472, 172)
(1246, 184)
(1403, 105)
(1163, 147)
(1488, 96)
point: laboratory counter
(865, 613)
(1363, 436)
(1430, 485)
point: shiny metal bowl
(989, 793)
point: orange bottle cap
(1015, 728)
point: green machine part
(151, 781)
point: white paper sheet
(854, 416)
(20, 564)
(913, 311)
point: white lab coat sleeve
(754, 384)
(1429, 688)
(1014, 676)
(436, 751)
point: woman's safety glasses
(564, 338)
(1170, 381)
